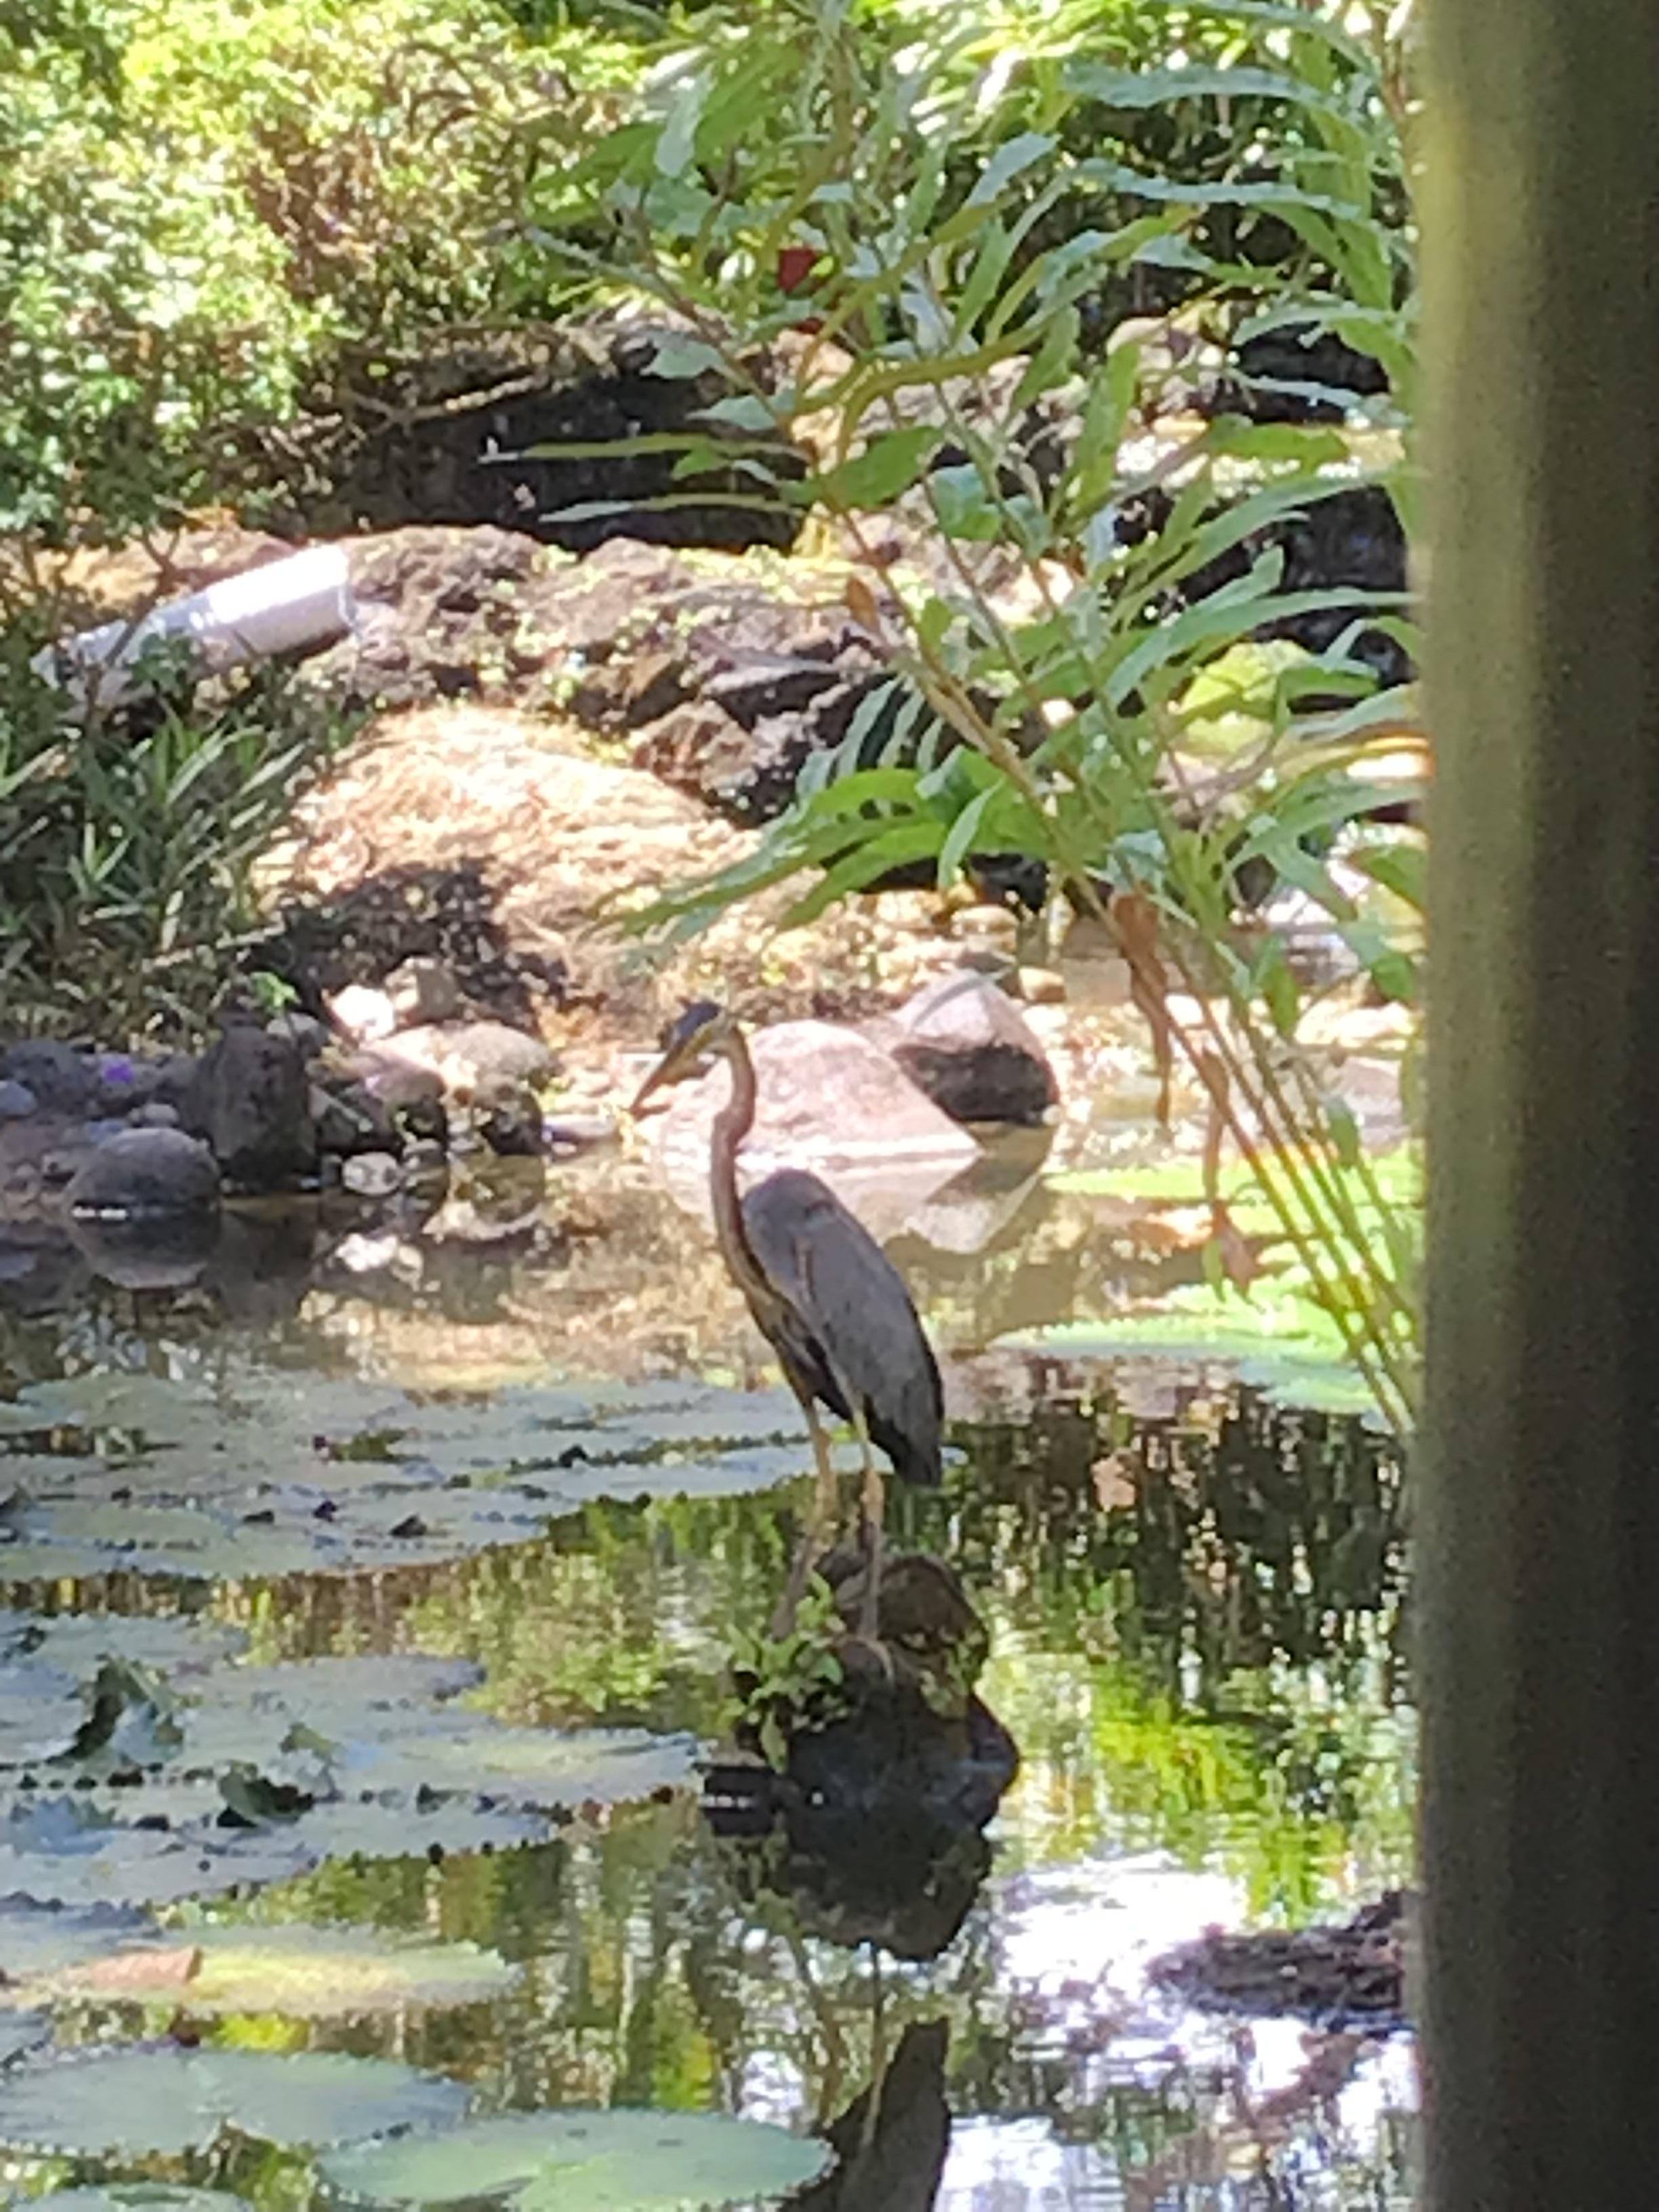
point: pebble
(990, 926)
(987, 960)
(371, 1174)
(1040, 987)
(574, 1132)
(17, 1101)
(155, 1113)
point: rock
(143, 1172)
(124, 1082)
(371, 1174)
(362, 1013)
(63, 1081)
(422, 990)
(305, 1031)
(1040, 987)
(155, 1114)
(413, 1098)
(398, 1083)
(156, 1250)
(426, 1166)
(984, 960)
(250, 1101)
(17, 1101)
(833, 1102)
(462, 437)
(472, 1056)
(579, 1133)
(174, 1078)
(969, 1047)
(416, 901)
(350, 1119)
(995, 928)
(511, 1125)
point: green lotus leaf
(302, 1972)
(138, 2197)
(585, 2161)
(141, 2100)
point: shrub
(126, 847)
(204, 205)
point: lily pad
(77, 1643)
(145, 2100)
(39, 1939)
(138, 2197)
(41, 1711)
(65, 1851)
(261, 1473)
(1295, 1368)
(22, 2032)
(251, 1774)
(526, 1767)
(264, 1474)
(585, 2161)
(304, 1973)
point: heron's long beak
(654, 1083)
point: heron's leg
(820, 1518)
(873, 1501)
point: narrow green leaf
(890, 465)
(959, 841)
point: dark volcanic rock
(144, 1172)
(252, 1101)
(468, 443)
(62, 1080)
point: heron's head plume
(691, 1041)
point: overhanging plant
(928, 235)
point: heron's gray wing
(852, 1304)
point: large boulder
(145, 1174)
(472, 435)
(60, 1078)
(250, 1101)
(831, 1101)
(971, 1050)
(478, 1061)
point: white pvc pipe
(300, 604)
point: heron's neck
(731, 1124)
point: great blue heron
(826, 1297)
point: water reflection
(1192, 1602)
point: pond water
(531, 1452)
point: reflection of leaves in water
(583, 2161)
(141, 2100)
(263, 1478)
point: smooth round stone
(140, 1172)
(17, 1101)
(371, 1175)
